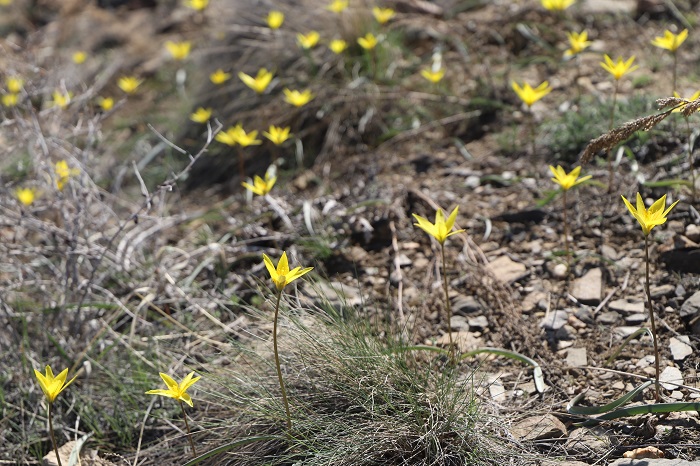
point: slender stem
(611, 174)
(651, 315)
(53, 436)
(566, 235)
(277, 362)
(241, 164)
(675, 71)
(447, 303)
(690, 157)
(531, 131)
(187, 426)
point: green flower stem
(675, 70)
(690, 157)
(277, 362)
(651, 315)
(531, 131)
(611, 174)
(241, 163)
(566, 235)
(187, 426)
(447, 303)
(53, 436)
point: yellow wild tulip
(578, 42)
(567, 180)
(337, 6)
(695, 96)
(277, 134)
(201, 115)
(79, 57)
(338, 46)
(105, 103)
(260, 186)
(26, 196)
(197, 5)
(176, 390)
(296, 98)
(383, 15)
(50, 385)
(61, 99)
(281, 275)
(530, 95)
(258, 83)
(620, 68)
(670, 41)
(434, 76)
(128, 84)
(247, 139)
(655, 215)
(64, 173)
(178, 50)
(557, 5)
(14, 84)
(230, 136)
(441, 229)
(309, 40)
(368, 42)
(219, 76)
(275, 19)
(10, 100)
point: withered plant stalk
(611, 174)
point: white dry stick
(279, 211)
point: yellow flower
(175, 390)
(79, 57)
(64, 173)
(337, 6)
(14, 84)
(529, 95)
(368, 42)
(440, 230)
(296, 98)
(26, 195)
(5, 2)
(60, 99)
(275, 19)
(567, 180)
(50, 385)
(338, 46)
(434, 76)
(618, 69)
(557, 5)
(670, 41)
(219, 76)
(309, 40)
(260, 186)
(277, 134)
(382, 15)
(578, 42)
(105, 103)
(230, 136)
(689, 99)
(197, 5)
(648, 219)
(201, 115)
(10, 100)
(258, 83)
(247, 139)
(282, 276)
(128, 84)
(178, 50)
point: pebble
(459, 323)
(662, 290)
(507, 270)
(559, 271)
(627, 307)
(478, 322)
(624, 332)
(585, 315)
(463, 304)
(671, 377)
(635, 319)
(539, 428)
(608, 252)
(567, 332)
(588, 289)
(691, 306)
(608, 318)
(576, 357)
(555, 320)
(680, 349)
(692, 231)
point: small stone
(478, 322)
(624, 332)
(671, 378)
(680, 349)
(403, 260)
(497, 391)
(585, 315)
(608, 318)
(555, 320)
(472, 181)
(576, 357)
(691, 306)
(588, 289)
(576, 323)
(463, 304)
(626, 307)
(608, 252)
(692, 231)
(635, 319)
(662, 290)
(677, 395)
(560, 270)
(646, 361)
(459, 323)
(507, 270)
(531, 300)
(567, 332)
(539, 428)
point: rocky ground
(369, 165)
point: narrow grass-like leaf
(627, 340)
(571, 408)
(536, 369)
(231, 446)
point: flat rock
(576, 357)
(662, 290)
(465, 341)
(539, 428)
(653, 462)
(587, 440)
(607, 318)
(463, 304)
(555, 320)
(608, 252)
(507, 270)
(680, 349)
(691, 306)
(478, 322)
(459, 323)
(692, 231)
(335, 293)
(588, 289)
(606, 6)
(626, 307)
(671, 377)
(635, 319)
